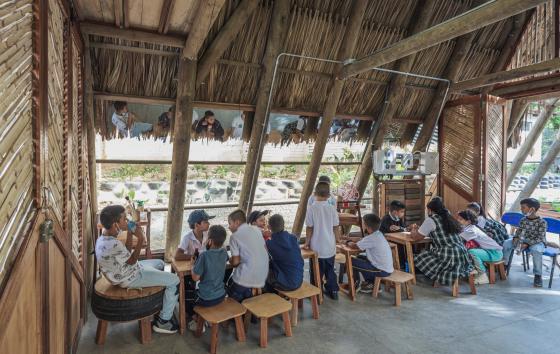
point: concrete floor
(508, 317)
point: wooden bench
(397, 279)
(111, 303)
(305, 291)
(267, 306)
(492, 270)
(227, 310)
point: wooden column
(535, 178)
(224, 38)
(536, 131)
(346, 50)
(395, 91)
(518, 109)
(274, 46)
(181, 143)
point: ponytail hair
(450, 225)
(469, 216)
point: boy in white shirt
(248, 255)
(331, 200)
(322, 234)
(378, 261)
(122, 268)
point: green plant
(222, 171)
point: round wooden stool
(111, 303)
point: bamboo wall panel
(453, 201)
(76, 162)
(56, 130)
(16, 166)
(495, 155)
(458, 148)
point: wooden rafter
(131, 35)
(467, 22)
(278, 28)
(225, 37)
(353, 28)
(126, 13)
(540, 85)
(118, 4)
(166, 9)
(207, 13)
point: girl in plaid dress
(493, 228)
(447, 258)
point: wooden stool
(492, 270)
(305, 291)
(397, 278)
(227, 310)
(111, 303)
(266, 306)
(455, 287)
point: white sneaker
(193, 325)
(481, 278)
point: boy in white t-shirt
(322, 234)
(378, 261)
(248, 255)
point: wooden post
(536, 131)
(275, 44)
(395, 90)
(224, 38)
(346, 50)
(181, 144)
(518, 109)
(535, 178)
(464, 23)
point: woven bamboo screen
(76, 165)
(495, 156)
(458, 150)
(16, 166)
(56, 129)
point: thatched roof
(316, 30)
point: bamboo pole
(224, 38)
(181, 145)
(533, 136)
(467, 22)
(518, 109)
(90, 131)
(274, 47)
(346, 50)
(535, 178)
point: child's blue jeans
(535, 250)
(152, 274)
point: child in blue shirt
(286, 262)
(209, 270)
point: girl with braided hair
(447, 258)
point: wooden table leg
(317, 275)
(287, 324)
(101, 333)
(182, 307)
(350, 275)
(264, 332)
(410, 260)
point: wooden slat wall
(56, 123)
(16, 147)
(76, 158)
(495, 156)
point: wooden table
(314, 262)
(182, 268)
(404, 238)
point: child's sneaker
(366, 288)
(193, 325)
(481, 278)
(163, 326)
(537, 283)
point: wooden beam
(126, 14)
(531, 87)
(508, 75)
(118, 4)
(529, 143)
(518, 109)
(556, 15)
(139, 50)
(166, 10)
(395, 91)
(278, 28)
(207, 13)
(346, 50)
(541, 170)
(467, 22)
(180, 158)
(225, 37)
(131, 35)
